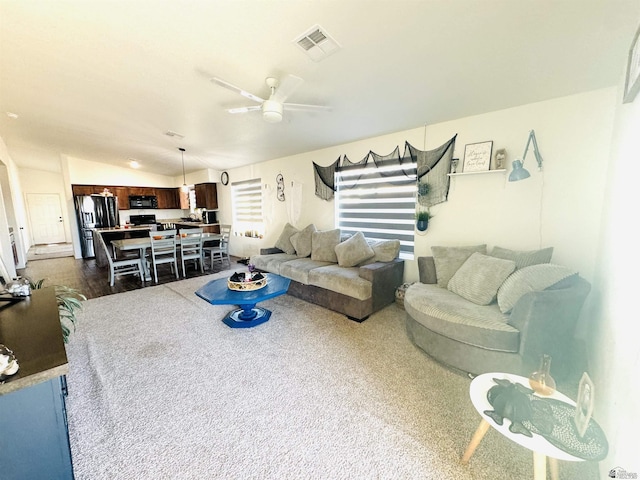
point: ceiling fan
(272, 107)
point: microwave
(143, 201)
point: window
(247, 208)
(379, 201)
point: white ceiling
(104, 80)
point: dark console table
(34, 440)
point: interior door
(45, 212)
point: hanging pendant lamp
(185, 187)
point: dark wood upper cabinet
(206, 196)
(168, 197)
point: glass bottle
(541, 380)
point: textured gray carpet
(160, 388)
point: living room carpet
(160, 388)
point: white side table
(540, 447)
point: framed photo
(584, 404)
(477, 157)
(499, 160)
(632, 82)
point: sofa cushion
(353, 251)
(384, 251)
(271, 263)
(452, 316)
(301, 241)
(345, 280)
(323, 245)
(284, 241)
(299, 269)
(479, 278)
(524, 258)
(530, 279)
(449, 259)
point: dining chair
(221, 250)
(191, 248)
(121, 266)
(163, 250)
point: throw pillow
(301, 241)
(323, 245)
(385, 250)
(449, 259)
(530, 279)
(479, 278)
(284, 242)
(524, 258)
(353, 251)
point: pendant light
(184, 187)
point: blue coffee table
(248, 315)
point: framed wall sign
(632, 81)
(584, 404)
(477, 157)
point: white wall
(615, 340)
(86, 172)
(560, 206)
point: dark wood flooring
(93, 281)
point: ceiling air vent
(317, 43)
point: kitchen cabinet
(85, 189)
(34, 442)
(206, 196)
(168, 197)
(123, 196)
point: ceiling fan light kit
(274, 107)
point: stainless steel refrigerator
(94, 211)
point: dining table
(144, 243)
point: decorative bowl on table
(246, 281)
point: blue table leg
(247, 316)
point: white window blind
(379, 201)
(247, 208)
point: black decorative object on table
(549, 417)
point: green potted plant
(69, 303)
(422, 219)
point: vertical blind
(379, 201)
(247, 207)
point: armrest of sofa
(546, 321)
(270, 251)
(427, 270)
(385, 278)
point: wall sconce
(519, 172)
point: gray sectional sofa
(351, 275)
(484, 313)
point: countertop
(120, 229)
(31, 329)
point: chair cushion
(299, 269)
(284, 241)
(479, 278)
(353, 251)
(454, 317)
(323, 245)
(524, 258)
(530, 279)
(449, 259)
(301, 241)
(271, 263)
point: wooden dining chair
(191, 248)
(163, 250)
(121, 266)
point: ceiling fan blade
(287, 86)
(244, 109)
(233, 88)
(304, 107)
